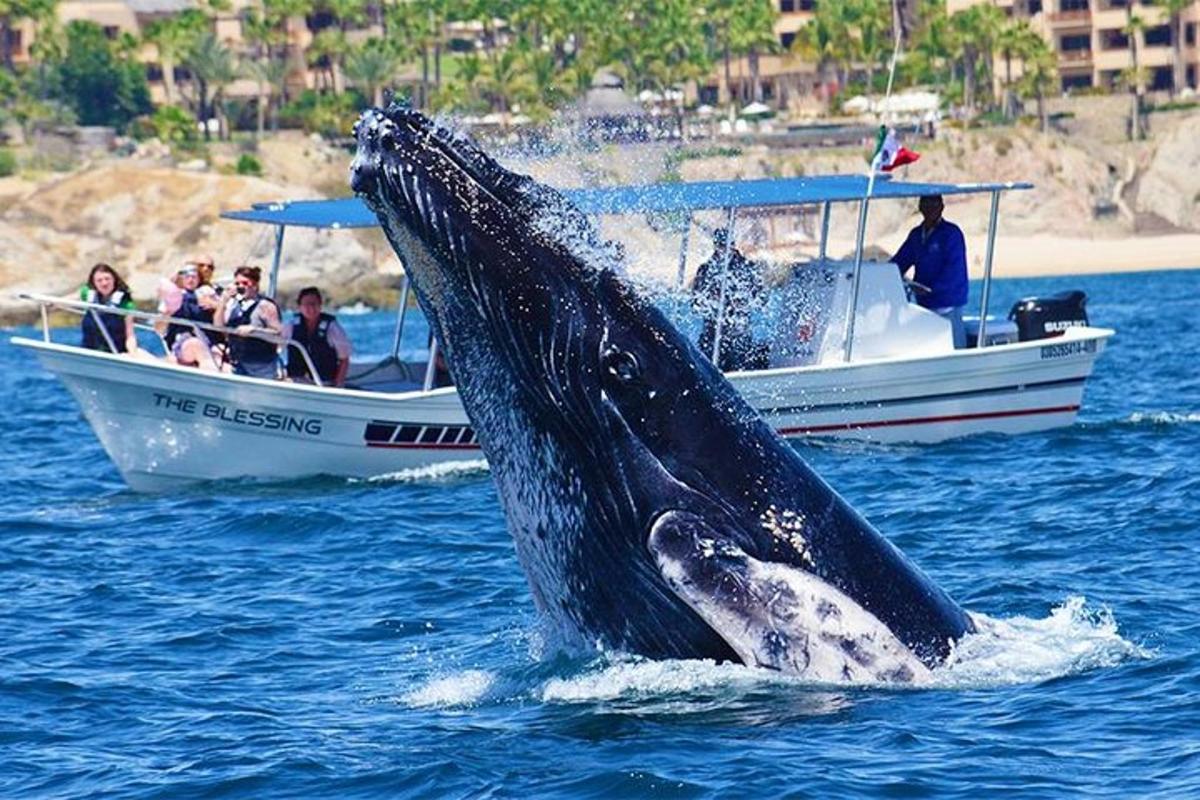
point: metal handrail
(150, 319)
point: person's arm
(341, 345)
(270, 316)
(222, 310)
(906, 256)
(131, 342)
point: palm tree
(277, 14)
(213, 68)
(752, 31)
(269, 74)
(1015, 39)
(1134, 26)
(172, 37)
(871, 21)
(1039, 74)
(936, 42)
(372, 65)
(822, 40)
(328, 50)
(978, 29)
(505, 81)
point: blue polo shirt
(941, 260)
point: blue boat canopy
(350, 212)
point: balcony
(1075, 58)
(1078, 18)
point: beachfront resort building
(1092, 40)
(132, 17)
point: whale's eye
(621, 364)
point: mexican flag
(889, 153)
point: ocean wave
(1162, 418)
(451, 691)
(431, 472)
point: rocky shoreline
(1098, 205)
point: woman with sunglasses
(189, 345)
(245, 310)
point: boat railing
(157, 323)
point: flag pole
(848, 352)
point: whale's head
(620, 453)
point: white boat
(887, 373)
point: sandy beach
(1031, 256)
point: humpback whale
(653, 512)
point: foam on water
(647, 679)
(1004, 652)
(461, 689)
(1073, 639)
(1164, 418)
(430, 472)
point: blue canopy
(350, 212)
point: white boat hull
(163, 424)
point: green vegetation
(100, 79)
(177, 128)
(527, 57)
(8, 162)
(248, 165)
(331, 115)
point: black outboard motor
(1042, 317)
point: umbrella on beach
(756, 110)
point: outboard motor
(1042, 317)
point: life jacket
(190, 308)
(248, 349)
(93, 339)
(324, 356)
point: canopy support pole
(987, 269)
(431, 367)
(825, 213)
(401, 311)
(857, 280)
(716, 349)
(273, 286)
(683, 251)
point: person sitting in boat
(184, 299)
(106, 288)
(728, 278)
(247, 311)
(938, 250)
(322, 336)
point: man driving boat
(938, 250)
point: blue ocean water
(377, 639)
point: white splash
(429, 472)
(1006, 652)
(1073, 639)
(462, 689)
(634, 679)
(1163, 418)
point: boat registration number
(1068, 349)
